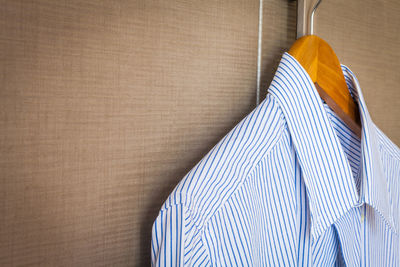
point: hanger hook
(312, 17)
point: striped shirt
(289, 185)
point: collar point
(318, 228)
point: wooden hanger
(321, 63)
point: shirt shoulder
(387, 145)
(211, 182)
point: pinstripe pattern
(289, 185)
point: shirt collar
(326, 172)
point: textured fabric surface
(290, 185)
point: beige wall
(105, 105)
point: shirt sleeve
(168, 237)
(176, 241)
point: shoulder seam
(205, 225)
(255, 164)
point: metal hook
(312, 17)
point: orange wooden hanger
(321, 63)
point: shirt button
(362, 217)
(359, 203)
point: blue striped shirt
(289, 185)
